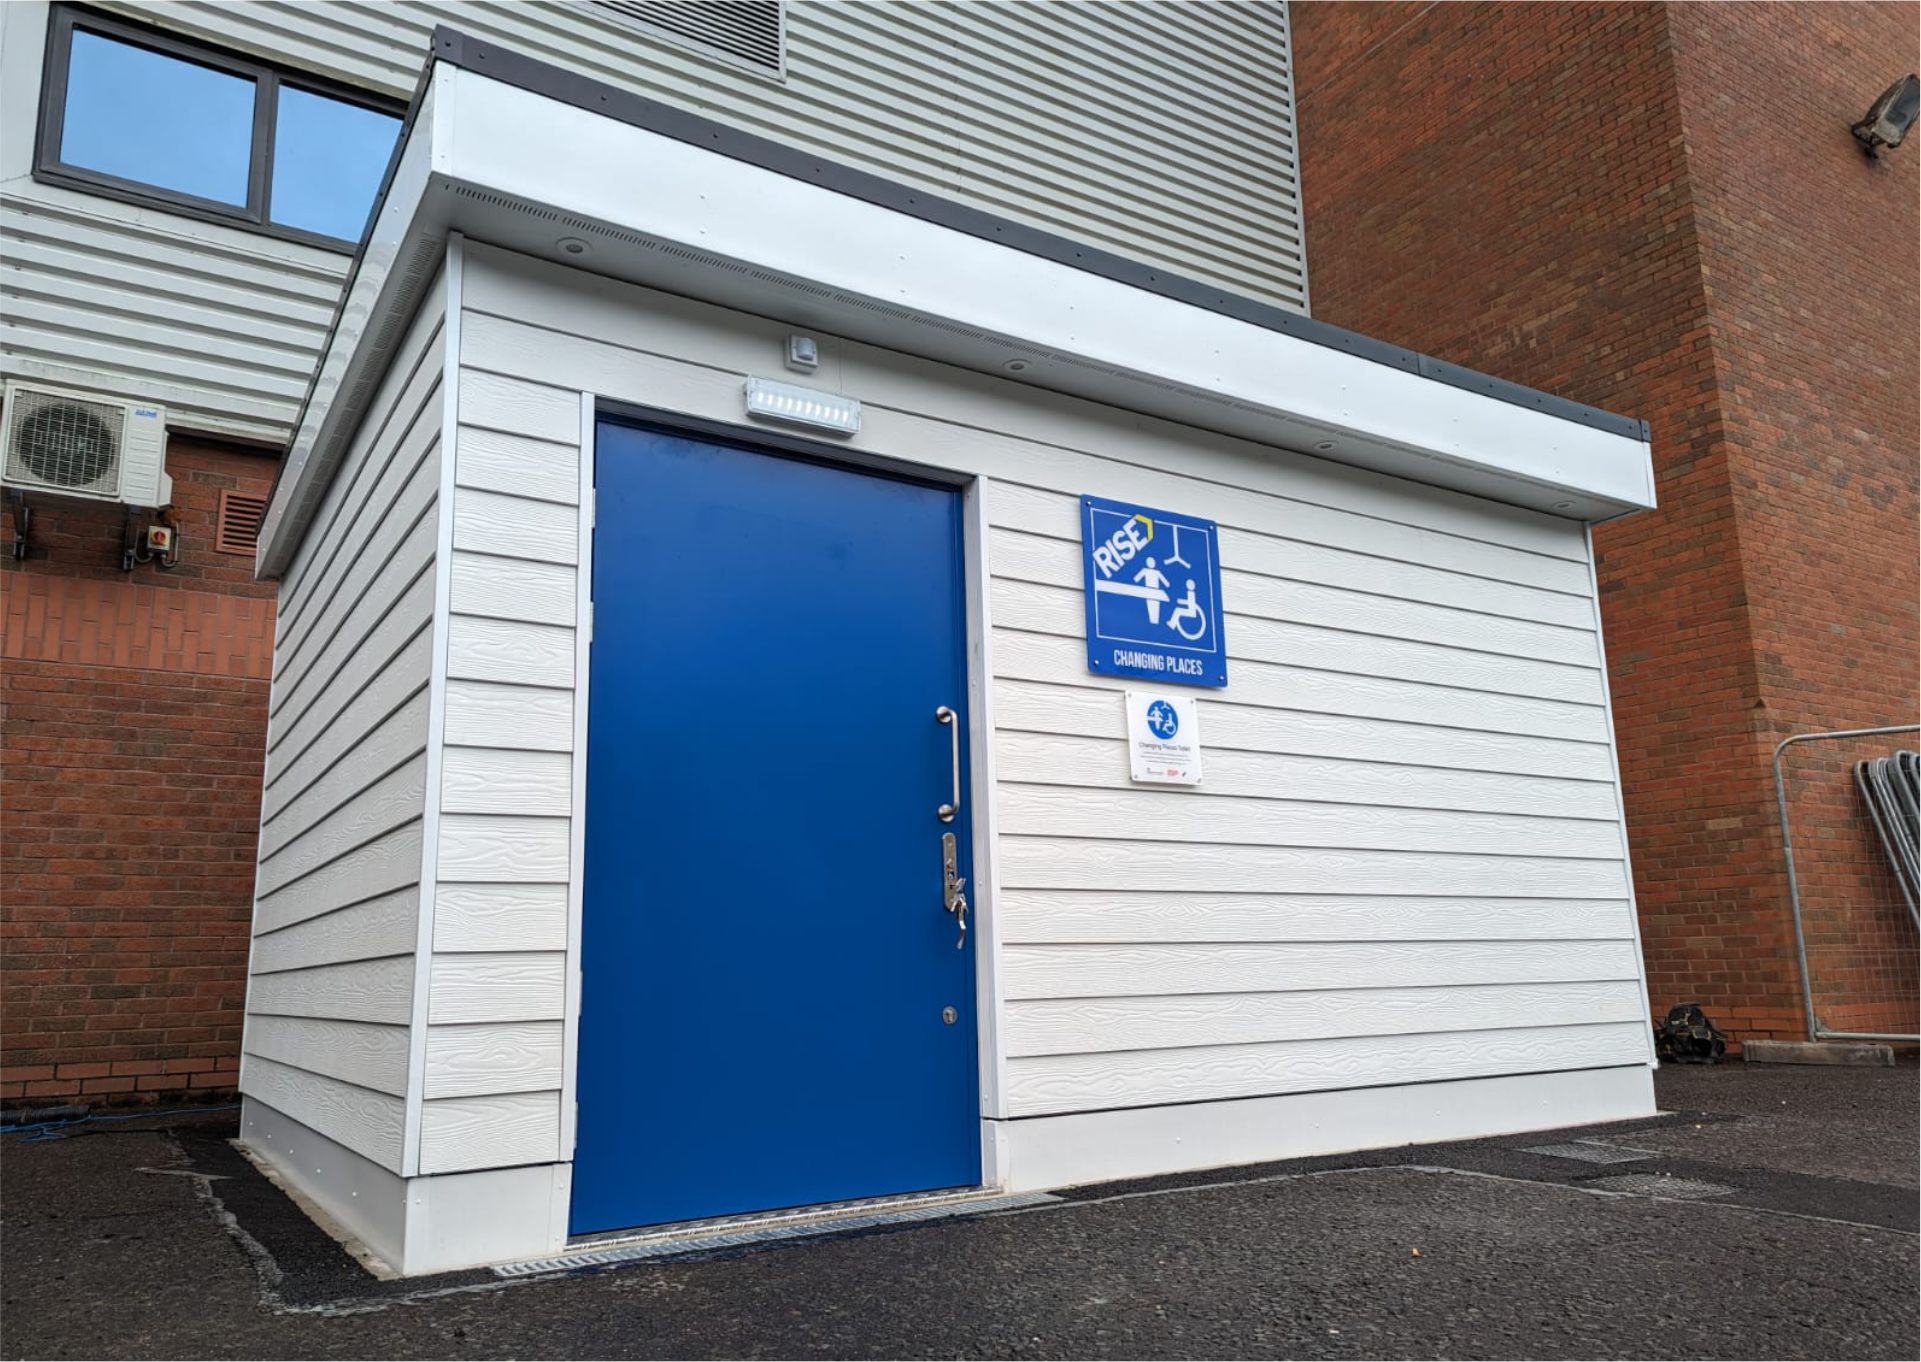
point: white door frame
(989, 1003)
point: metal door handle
(952, 720)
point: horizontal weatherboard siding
(493, 1131)
(364, 1120)
(500, 917)
(1066, 916)
(1408, 833)
(1094, 971)
(1047, 862)
(1174, 816)
(497, 985)
(466, 1061)
(366, 990)
(358, 1052)
(1087, 708)
(378, 927)
(330, 997)
(1184, 1021)
(1057, 1083)
(1035, 552)
(1100, 762)
(388, 864)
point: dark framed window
(149, 117)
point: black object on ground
(1688, 1037)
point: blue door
(768, 964)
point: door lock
(952, 885)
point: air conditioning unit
(73, 445)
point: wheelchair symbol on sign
(1188, 609)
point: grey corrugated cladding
(1160, 131)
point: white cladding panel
(1409, 836)
(330, 994)
(1161, 131)
(498, 983)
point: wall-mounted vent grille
(749, 32)
(238, 528)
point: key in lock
(952, 885)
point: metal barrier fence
(1859, 948)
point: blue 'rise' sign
(1153, 594)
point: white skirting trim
(1042, 1152)
(414, 1225)
(362, 1199)
(459, 1220)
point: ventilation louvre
(237, 529)
(745, 31)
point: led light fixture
(797, 406)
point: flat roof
(636, 110)
(745, 222)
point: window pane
(156, 119)
(328, 157)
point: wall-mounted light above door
(797, 406)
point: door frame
(988, 1000)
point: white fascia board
(542, 151)
(519, 169)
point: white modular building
(794, 691)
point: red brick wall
(132, 727)
(1649, 208)
(1811, 256)
(1810, 266)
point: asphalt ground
(154, 1238)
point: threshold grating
(743, 1232)
(1590, 1152)
(1655, 1184)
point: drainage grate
(1590, 1152)
(1654, 1184)
(675, 1244)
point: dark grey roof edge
(585, 92)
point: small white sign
(1164, 738)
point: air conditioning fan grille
(61, 441)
